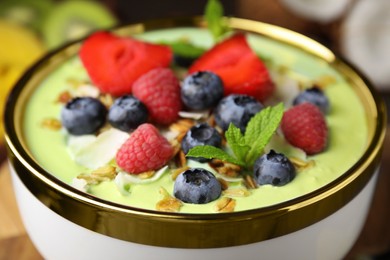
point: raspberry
(145, 150)
(304, 126)
(159, 90)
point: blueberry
(127, 113)
(273, 168)
(83, 115)
(201, 134)
(315, 96)
(201, 90)
(236, 109)
(197, 186)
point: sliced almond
(177, 171)
(224, 183)
(64, 97)
(301, 164)
(107, 170)
(182, 125)
(88, 178)
(105, 173)
(180, 136)
(182, 158)
(168, 203)
(146, 175)
(176, 147)
(107, 100)
(232, 166)
(249, 182)
(324, 81)
(51, 123)
(225, 204)
(211, 120)
(214, 163)
(225, 168)
(237, 192)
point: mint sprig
(236, 141)
(214, 16)
(212, 152)
(245, 148)
(184, 48)
(260, 130)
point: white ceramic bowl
(58, 238)
(65, 223)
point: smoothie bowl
(84, 194)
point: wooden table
(374, 239)
(14, 242)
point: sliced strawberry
(242, 72)
(114, 63)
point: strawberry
(145, 150)
(304, 126)
(114, 63)
(241, 71)
(159, 90)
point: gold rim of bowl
(195, 230)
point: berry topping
(236, 109)
(83, 115)
(114, 63)
(201, 90)
(273, 168)
(315, 96)
(145, 150)
(201, 134)
(127, 113)
(197, 186)
(159, 90)
(304, 126)
(241, 71)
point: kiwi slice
(28, 13)
(73, 19)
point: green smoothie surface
(346, 121)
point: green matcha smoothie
(346, 121)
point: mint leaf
(236, 142)
(248, 147)
(260, 129)
(184, 48)
(212, 152)
(214, 14)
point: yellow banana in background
(19, 48)
(29, 28)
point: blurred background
(359, 30)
